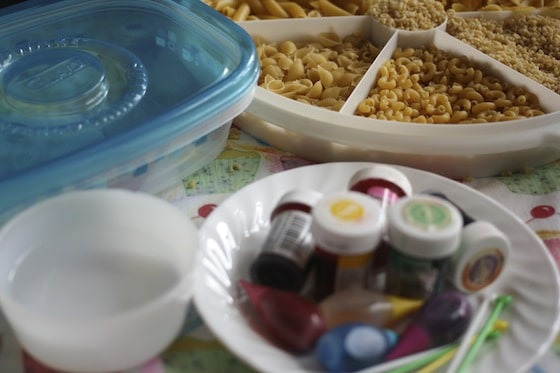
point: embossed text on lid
(55, 82)
(63, 86)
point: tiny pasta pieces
(494, 5)
(322, 72)
(432, 86)
(528, 43)
(409, 14)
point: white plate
(232, 233)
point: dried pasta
(409, 14)
(402, 92)
(528, 43)
(496, 5)
(242, 10)
(269, 9)
(321, 72)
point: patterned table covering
(534, 197)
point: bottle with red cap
(387, 184)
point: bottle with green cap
(424, 232)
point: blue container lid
(85, 86)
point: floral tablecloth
(533, 196)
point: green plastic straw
(501, 302)
(437, 353)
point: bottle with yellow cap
(347, 227)
(357, 304)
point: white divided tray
(456, 151)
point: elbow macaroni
(445, 96)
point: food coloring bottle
(481, 257)
(284, 261)
(424, 232)
(386, 184)
(482, 254)
(441, 320)
(347, 227)
(354, 346)
(382, 182)
(364, 305)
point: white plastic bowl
(97, 280)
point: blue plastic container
(135, 94)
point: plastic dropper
(357, 304)
(291, 320)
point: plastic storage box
(134, 94)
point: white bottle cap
(424, 226)
(481, 257)
(347, 223)
(383, 172)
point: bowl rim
(181, 290)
